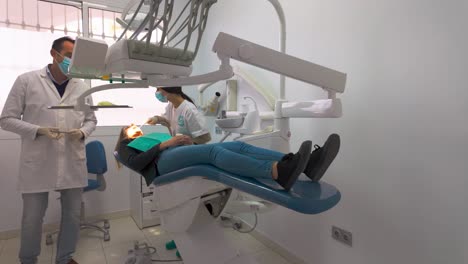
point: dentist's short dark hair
(58, 43)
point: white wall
(402, 168)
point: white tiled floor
(92, 249)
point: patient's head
(127, 132)
(133, 131)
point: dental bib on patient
(147, 141)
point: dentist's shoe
(322, 157)
(292, 165)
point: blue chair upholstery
(92, 185)
(96, 163)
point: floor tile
(269, 257)
(2, 242)
(157, 234)
(90, 239)
(11, 250)
(117, 253)
(167, 256)
(161, 251)
(231, 233)
(246, 243)
(90, 256)
(91, 248)
(13, 259)
(123, 230)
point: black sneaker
(322, 157)
(292, 165)
(287, 156)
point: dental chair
(97, 164)
(191, 199)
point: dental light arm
(225, 72)
(227, 46)
(278, 62)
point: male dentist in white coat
(50, 159)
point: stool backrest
(96, 157)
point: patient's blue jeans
(234, 157)
(34, 208)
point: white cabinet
(141, 202)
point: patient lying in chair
(235, 157)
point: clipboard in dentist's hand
(148, 141)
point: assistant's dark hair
(177, 90)
(58, 43)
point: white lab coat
(47, 164)
(185, 119)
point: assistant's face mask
(160, 97)
(64, 65)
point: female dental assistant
(181, 116)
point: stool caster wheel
(106, 224)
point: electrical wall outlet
(218, 130)
(342, 235)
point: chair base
(206, 235)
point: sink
(230, 122)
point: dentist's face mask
(64, 64)
(160, 97)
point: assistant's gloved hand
(159, 120)
(50, 132)
(153, 120)
(76, 134)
